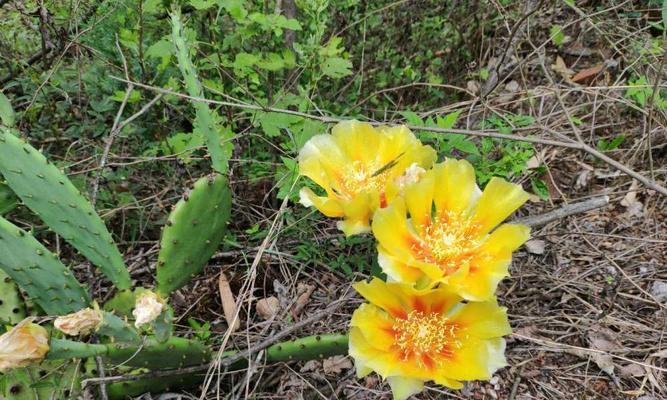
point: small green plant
(607, 145)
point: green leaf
(332, 48)
(202, 4)
(119, 95)
(448, 121)
(183, 145)
(272, 123)
(540, 188)
(412, 118)
(465, 146)
(6, 111)
(664, 14)
(337, 67)
(161, 50)
(245, 60)
(272, 62)
(557, 35)
(235, 8)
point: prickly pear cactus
(33, 267)
(12, 308)
(194, 231)
(50, 380)
(131, 389)
(308, 348)
(51, 195)
(174, 353)
(218, 138)
(116, 329)
(8, 200)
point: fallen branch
(565, 211)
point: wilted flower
(409, 337)
(448, 235)
(82, 322)
(24, 344)
(361, 169)
(147, 307)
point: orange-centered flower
(442, 230)
(361, 169)
(411, 336)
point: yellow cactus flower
(361, 169)
(82, 322)
(411, 336)
(448, 235)
(24, 344)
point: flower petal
(457, 189)
(357, 215)
(404, 387)
(391, 229)
(361, 351)
(357, 140)
(376, 292)
(505, 239)
(419, 201)
(396, 270)
(498, 201)
(474, 360)
(375, 325)
(320, 160)
(329, 206)
(484, 320)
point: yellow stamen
(450, 241)
(425, 333)
(359, 177)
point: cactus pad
(308, 348)
(8, 200)
(12, 308)
(132, 389)
(37, 271)
(174, 353)
(116, 329)
(194, 231)
(218, 138)
(51, 195)
(49, 380)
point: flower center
(359, 177)
(449, 241)
(425, 333)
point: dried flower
(24, 344)
(82, 322)
(147, 308)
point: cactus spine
(51, 195)
(194, 231)
(46, 280)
